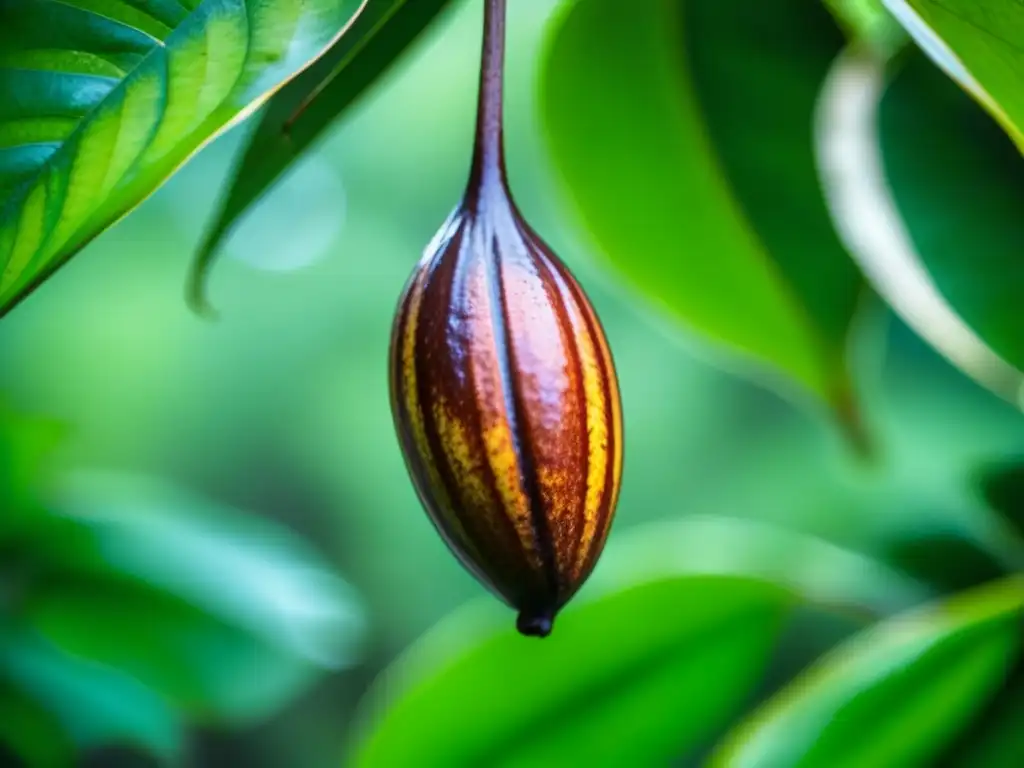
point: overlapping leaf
(926, 191)
(127, 605)
(683, 131)
(306, 107)
(101, 102)
(897, 694)
(611, 686)
(980, 44)
(963, 212)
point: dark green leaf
(684, 133)
(996, 739)
(948, 559)
(100, 103)
(980, 44)
(1002, 487)
(31, 732)
(897, 694)
(899, 146)
(306, 107)
(958, 183)
(667, 642)
(94, 703)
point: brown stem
(488, 170)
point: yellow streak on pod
(415, 413)
(597, 428)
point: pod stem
(488, 170)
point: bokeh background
(279, 408)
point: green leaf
(31, 732)
(899, 146)
(247, 573)
(684, 133)
(669, 639)
(25, 445)
(897, 694)
(970, 244)
(980, 44)
(307, 106)
(207, 668)
(95, 704)
(101, 101)
(996, 739)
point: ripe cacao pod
(505, 398)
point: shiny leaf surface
(101, 102)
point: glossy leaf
(683, 132)
(897, 694)
(100, 103)
(898, 146)
(300, 113)
(980, 44)
(670, 638)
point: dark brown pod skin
(504, 392)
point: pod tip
(535, 624)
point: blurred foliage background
(275, 418)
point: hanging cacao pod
(503, 389)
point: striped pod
(507, 408)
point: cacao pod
(505, 399)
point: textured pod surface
(507, 407)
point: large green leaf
(980, 44)
(927, 192)
(101, 100)
(307, 106)
(683, 131)
(667, 642)
(897, 694)
(224, 617)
